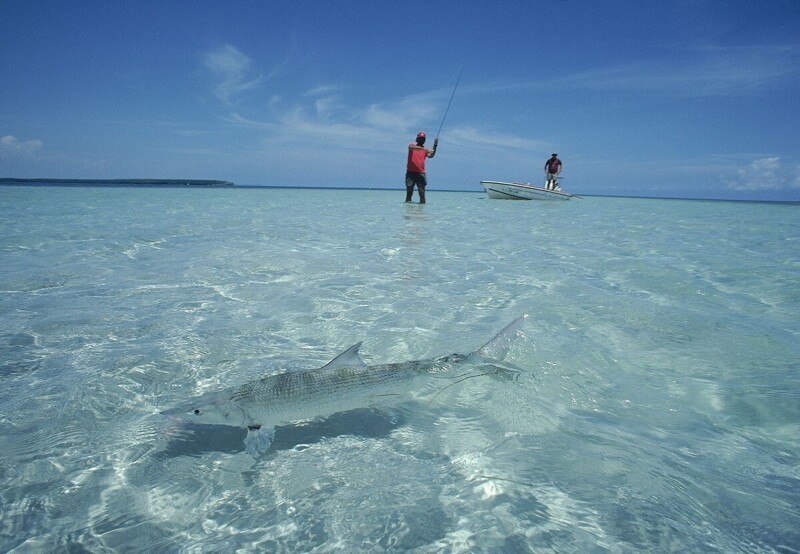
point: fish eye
(196, 411)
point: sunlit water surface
(658, 408)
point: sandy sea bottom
(657, 407)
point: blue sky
(671, 98)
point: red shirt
(416, 158)
(552, 165)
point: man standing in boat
(552, 167)
(415, 168)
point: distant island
(118, 182)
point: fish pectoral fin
(382, 401)
(509, 373)
(377, 399)
(258, 439)
(484, 371)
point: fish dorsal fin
(498, 347)
(348, 358)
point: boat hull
(499, 190)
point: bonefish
(345, 383)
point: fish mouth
(178, 412)
(172, 416)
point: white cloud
(238, 119)
(323, 90)
(384, 118)
(482, 139)
(761, 174)
(376, 127)
(318, 118)
(327, 106)
(706, 70)
(233, 72)
(29, 157)
(324, 119)
(11, 146)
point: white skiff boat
(522, 191)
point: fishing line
(450, 102)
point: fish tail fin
(498, 347)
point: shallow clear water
(658, 409)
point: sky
(668, 98)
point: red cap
(421, 134)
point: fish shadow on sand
(196, 440)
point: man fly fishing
(415, 168)
(417, 154)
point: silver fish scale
(343, 384)
(291, 394)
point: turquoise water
(658, 409)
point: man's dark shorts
(416, 179)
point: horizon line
(219, 183)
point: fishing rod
(450, 102)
